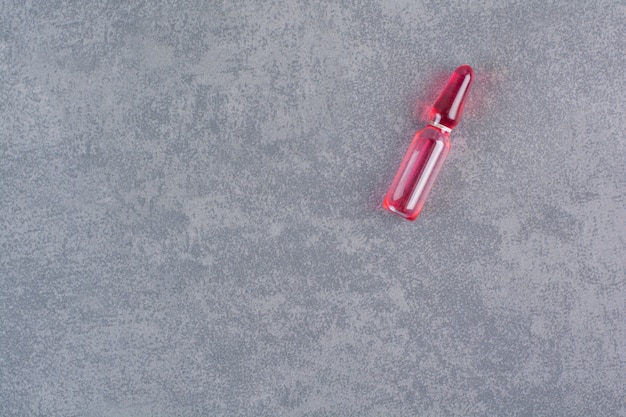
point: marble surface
(190, 219)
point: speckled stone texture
(190, 219)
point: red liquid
(427, 153)
(448, 109)
(418, 171)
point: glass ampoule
(429, 149)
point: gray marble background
(190, 219)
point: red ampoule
(429, 149)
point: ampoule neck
(439, 126)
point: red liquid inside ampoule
(428, 150)
(448, 108)
(417, 173)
